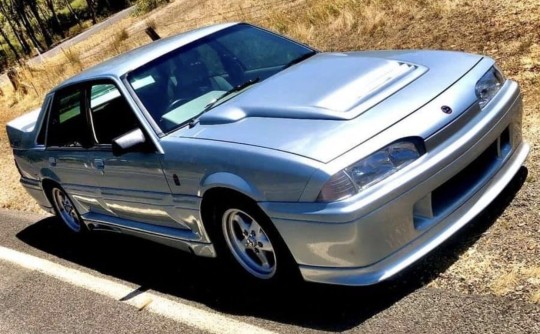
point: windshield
(181, 85)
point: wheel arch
(217, 195)
(47, 184)
(230, 181)
(212, 197)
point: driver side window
(111, 114)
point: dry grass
(506, 260)
(516, 280)
(535, 297)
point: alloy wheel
(66, 210)
(249, 243)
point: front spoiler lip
(388, 267)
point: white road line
(186, 314)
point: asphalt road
(54, 282)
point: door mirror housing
(133, 141)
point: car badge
(446, 109)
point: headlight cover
(489, 85)
(372, 169)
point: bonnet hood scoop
(326, 86)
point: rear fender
(23, 130)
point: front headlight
(372, 169)
(489, 85)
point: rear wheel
(66, 211)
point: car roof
(124, 63)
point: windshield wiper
(299, 59)
(235, 89)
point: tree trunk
(18, 32)
(72, 11)
(14, 24)
(22, 41)
(8, 42)
(42, 26)
(92, 11)
(28, 27)
(108, 5)
(50, 5)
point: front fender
(230, 181)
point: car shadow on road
(330, 308)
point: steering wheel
(234, 69)
(176, 103)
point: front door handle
(99, 164)
(52, 161)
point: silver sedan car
(233, 142)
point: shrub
(145, 6)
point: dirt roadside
(504, 259)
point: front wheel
(252, 243)
(249, 244)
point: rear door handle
(52, 161)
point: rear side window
(67, 123)
(43, 129)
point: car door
(133, 186)
(67, 150)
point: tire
(247, 240)
(66, 211)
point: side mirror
(130, 142)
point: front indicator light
(340, 186)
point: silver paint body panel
(371, 236)
(281, 140)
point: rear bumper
(369, 238)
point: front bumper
(367, 239)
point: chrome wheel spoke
(242, 224)
(264, 244)
(240, 244)
(255, 229)
(74, 215)
(249, 244)
(263, 259)
(66, 210)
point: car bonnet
(332, 102)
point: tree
(29, 24)
(59, 28)
(8, 42)
(14, 24)
(144, 6)
(112, 5)
(18, 8)
(32, 4)
(92, 11)
(72, 11)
